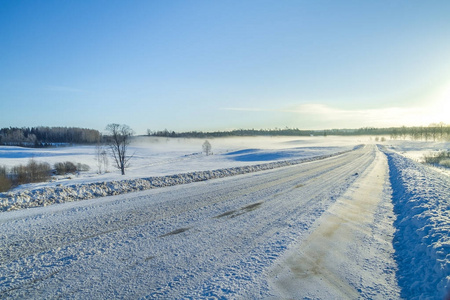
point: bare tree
(98, 157)
(207, 148)
(102, 159)
(119, 140)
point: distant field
(154, 156)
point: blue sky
(219, 65)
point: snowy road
(350, 254)
(218, 238)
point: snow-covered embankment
(421, 200)
(60, 194)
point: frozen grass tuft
(445, 163)
(441, 158)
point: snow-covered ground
(367, 223)
(159, 162)
(156, 156)
(350, 254)
(416, 150)
(421, 198)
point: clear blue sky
(218, 65)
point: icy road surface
(234, 237)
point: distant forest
(52, 136)
(433, 132)
(47, 136)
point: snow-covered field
(360, 222)
(416, 150)
(157, 156)
(158, 162)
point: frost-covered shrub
(83, 167)
(62, 168)
(437, 157)
(5, 182)
(445, 163)
(3, 170)
(31, 172)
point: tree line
(118, 139)
(237, 132)
(47, 136)
(433, 132)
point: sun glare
(435, 109)
(441, 108)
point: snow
(421, 199)
(350, 254)
(46, 196)
(200, 240)
(283, 218)
(416, 150)
(163, 158)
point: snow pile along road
(421, 199)
(51, 195)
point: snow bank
(421, 200)
(60, 194)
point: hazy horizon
(216, 66)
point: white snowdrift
(421, 199)
(60, 194)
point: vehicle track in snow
(113, 220)
(206, 239)
(350, 254)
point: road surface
(327, 223)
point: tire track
(270, 209)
